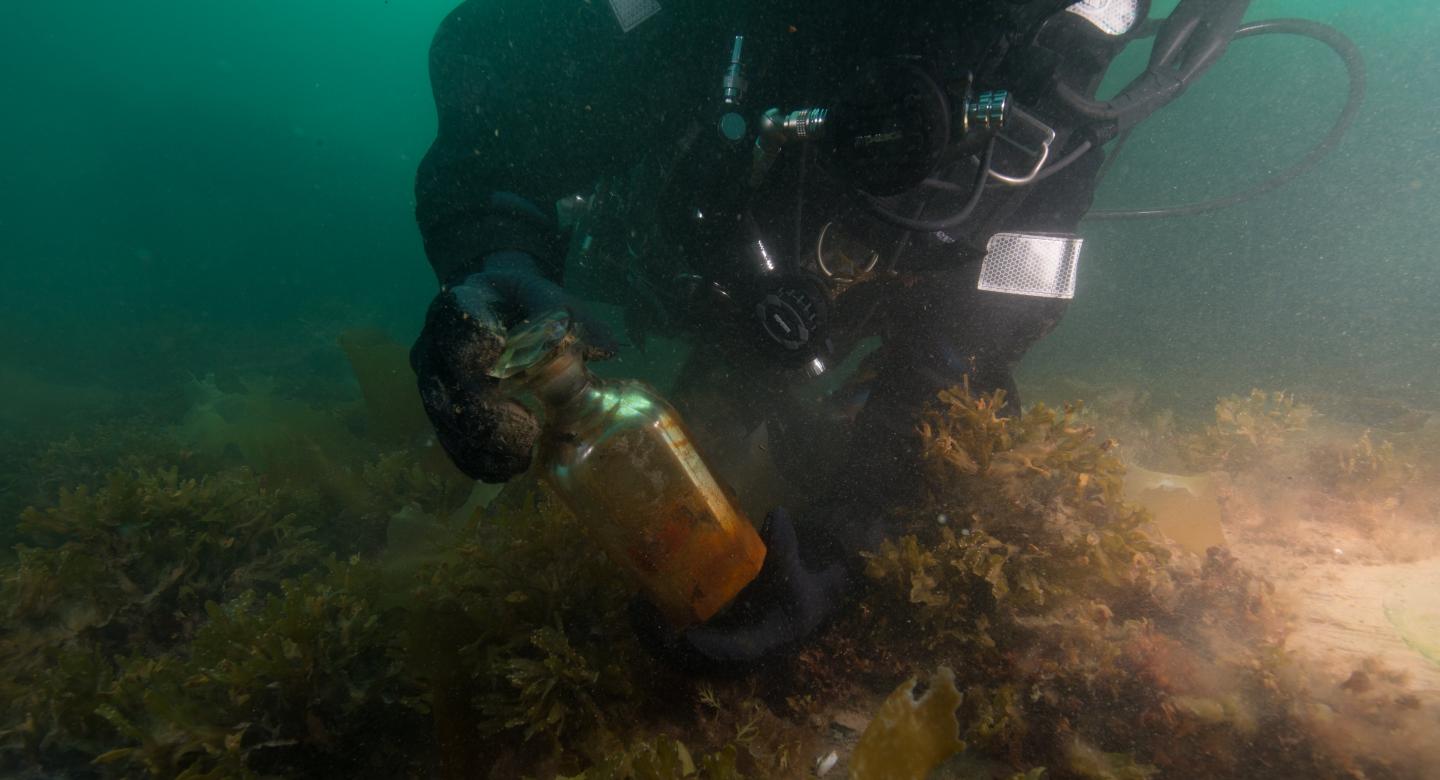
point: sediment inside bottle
(652, 503)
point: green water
(176, 175)
(198, 199)
(1326, 284)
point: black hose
(1348, 52)
(1110, 157)
(1065, 162)
(879, 209)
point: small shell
(826, 763)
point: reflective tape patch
(1028, 264)
(1113, 17)
(633, 13)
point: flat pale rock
(851, 721)
(1389, 612)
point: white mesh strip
(632, 13)
(1034, 265)
(1113, 17)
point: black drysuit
(540, 99)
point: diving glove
(488, 436)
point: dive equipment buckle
(1042, 154)
(841, 260)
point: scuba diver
(788, 184)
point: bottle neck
(560, 383)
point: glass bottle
(622, 461)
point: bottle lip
(534, 344)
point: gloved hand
(788, 601)
(489, 437)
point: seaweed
(142, 555)
(129, 567)
(34, 468)
(381, 365)
(250, 422)
(90, 456)
(731, 717)
(138, 564)
(307, 682)
(1084, 647)
(49, 717)
(348, 609)
(910, 735)
(161, 605)
(1250, 429)
(662, 758)
(525, 636)
(1363, 471)
(525, 641)
(1022, 513)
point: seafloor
(271, 576)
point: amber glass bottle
(619, 457)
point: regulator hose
(1354, 62)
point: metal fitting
(732, 87)
(988, 112)
(806, 124)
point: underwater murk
(233, 550)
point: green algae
(663, 758)
(1084, 646)
(1363, 471)
(248, 624)
(306, 682)
(1249, 429)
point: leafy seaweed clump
(1250, 429)
(308, 682)
(1363, 471)
(136, 567)
(1023, 514)
(662, 758)
(17, 478)
(35, 467)
(1082, 645)
(129, 568)
(253, 422)
(525, 642)
(343, 610)
(140, 557)
(89, 457)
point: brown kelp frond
(1082, 646)
(662, 758)
(1021, 511)
(1250, 428)
(149, 549)
(305, 682)
(1363, 471)
(335, 615)
(546, 658)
